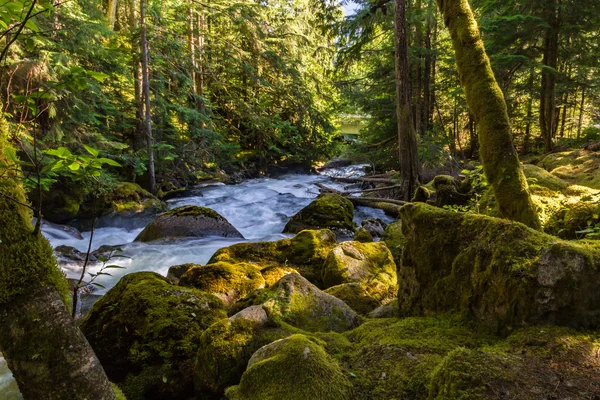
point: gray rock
(188, 221)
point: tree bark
(486, 101)
(550, 61)
(45, 350)
(111, 13)
(527, 141)
(146, 94)
(581, 111)
(407, 138)
(138, 140)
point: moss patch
(355, 295)
(297, 368)
(146, 331)
(306, 252)
(194, 211)
(369, 264)
(330, 211)
(227, 281)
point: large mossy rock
(229, 282)
(576, 167)
(369, 264)
(394, 240)
(356, 296)
(188, 221)
(146, 333)
(226, 347)
(306, 252)
(329, 211)
(541, 362)
(297, 302)
(294, 368)
(501, 272)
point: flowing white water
(258, 208)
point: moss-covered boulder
(294, 368)
(329, 211)
(448, 191)
(575, 166)
(297, 302)
(306, 252)
(273, 274)
(389, 310)
(394, 240)
(229, 282)
(188, 221)
(362, 235)
(146, 333)
(225, 348)
(369, 264)
(541, 362)
(538, 176)
(574, 221)
(501, 272)
(356, 296)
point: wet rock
(389, 310)
(188, 221)
(57, 231)
(369, 264)
(329, 211)
(175, 272)
(374, 226)
(70, 255)
(146, 332)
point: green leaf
(11, 155)
(91, 150)
(99, 76)
(74, 166)
(164, 379)
(108, 161)
(114, 266)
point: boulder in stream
(146, 333)
(330, 211)
(188, 221)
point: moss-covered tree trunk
(486, 101)
(407, 137)
(45, 350)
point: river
(258, 208)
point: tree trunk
(527, 142)
(407, 138)
(484, 97)
(139, 138)
(111, 13)
(550, 61)
(581, 111)
(427, 114)
(45, 350)
(146, 94)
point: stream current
(258, 208)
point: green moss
(296, 368)
(369, 264)
(539, 176)
(146, 331)
(537, 362)
(227, 281)
(362, 235)
(394, 358)
(273, 274)
(355, 296)
(128, 197)
(193, 211)
(394, 240)
(26, 260)
(330, 211)
(501, 273)
(575, 167)
(118, 392)
(572, 219)
(305, 252)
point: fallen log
(388, 207)
(371, 190)
(366, 180)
